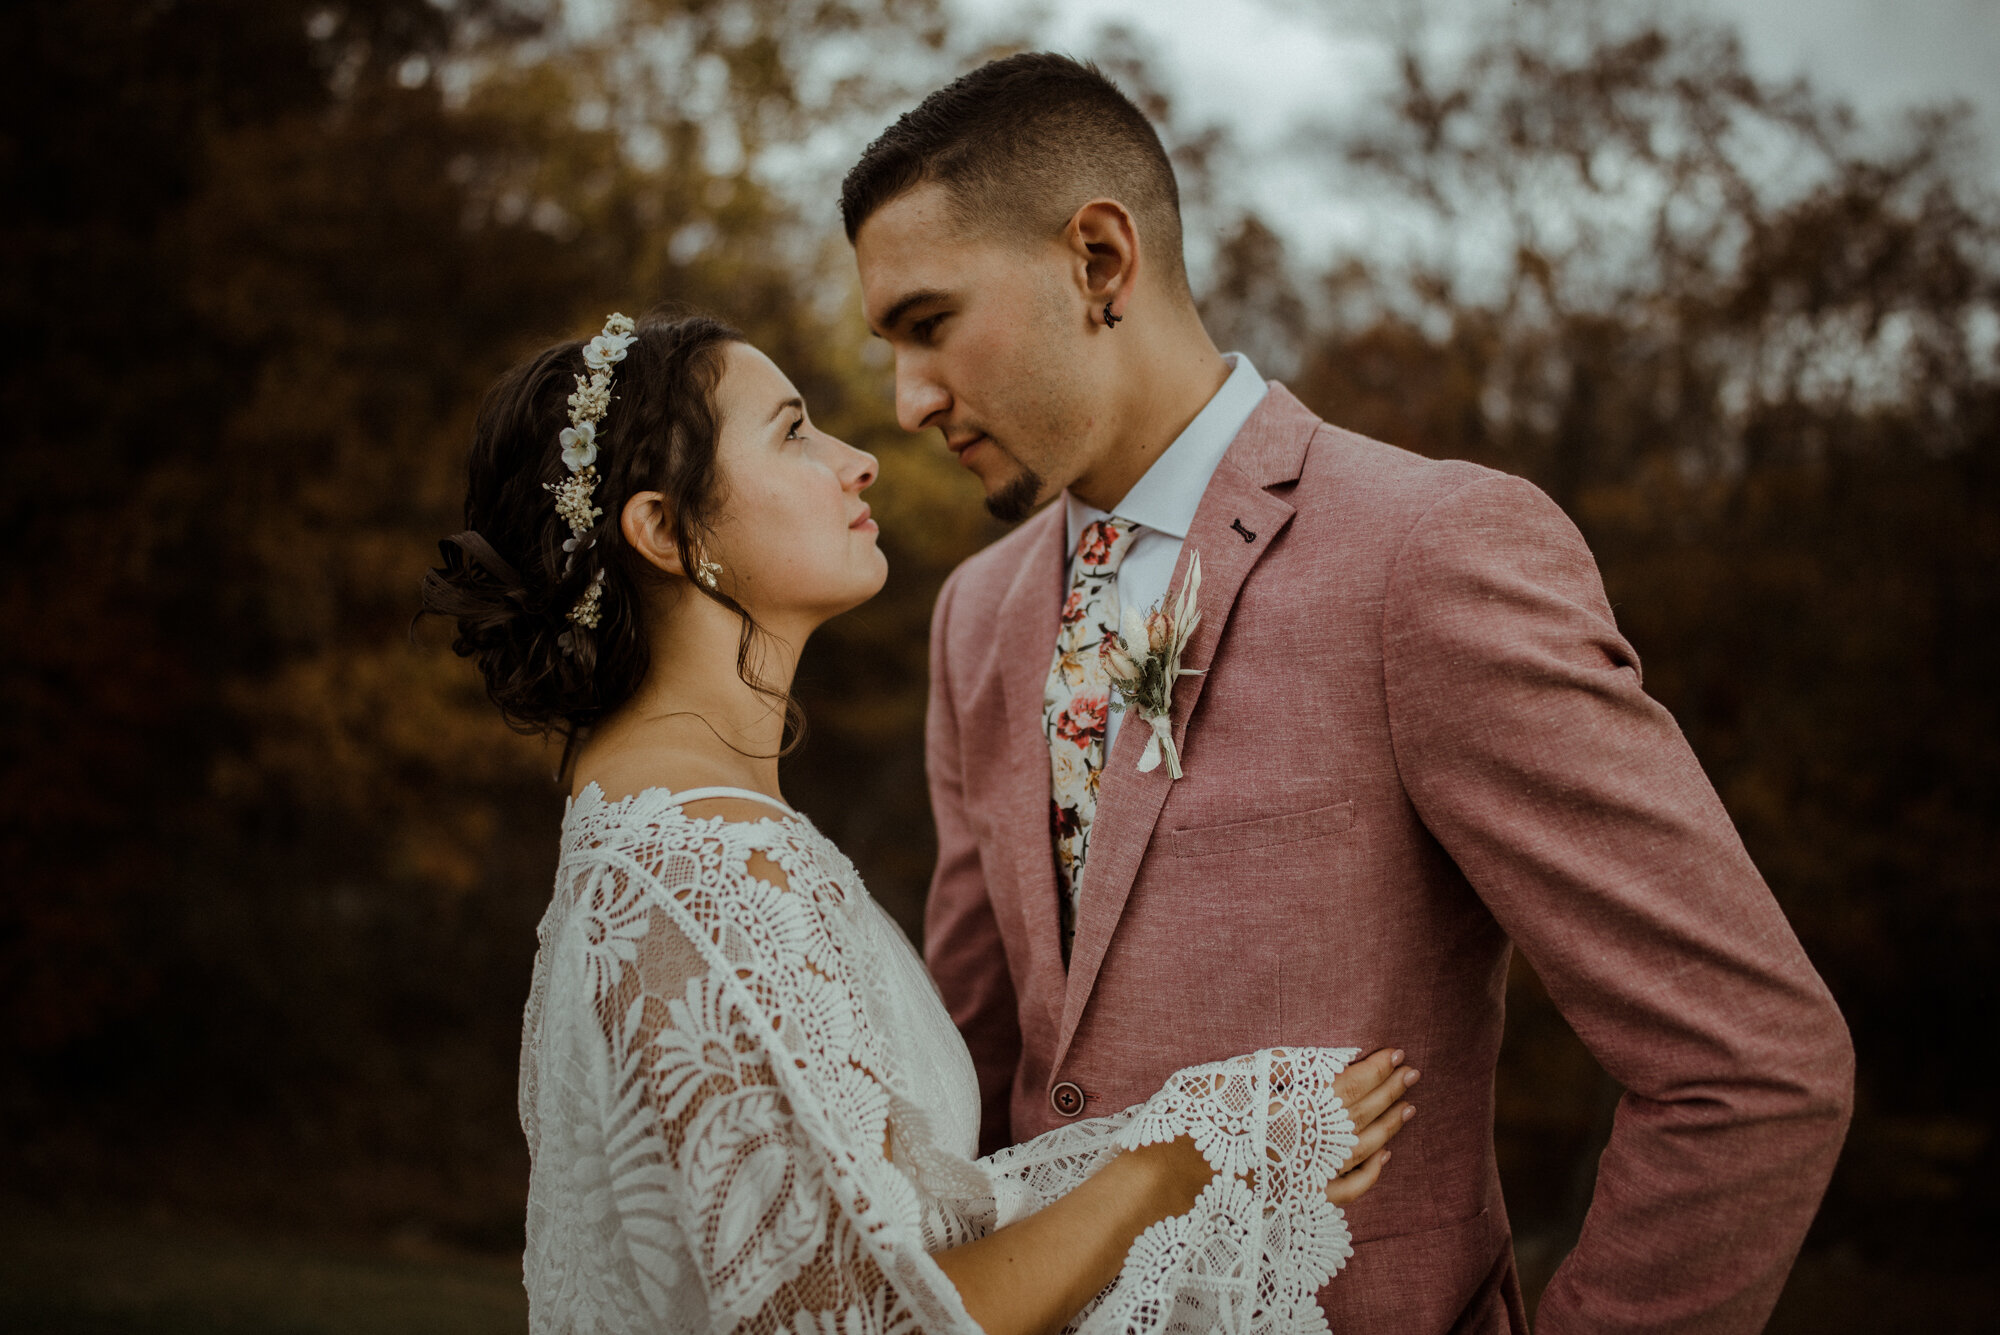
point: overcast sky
(1262, 65)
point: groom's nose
(919, 399)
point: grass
(63, 1276)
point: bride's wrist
(1176, 1174)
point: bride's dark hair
(507, 581)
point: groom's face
(985, 330)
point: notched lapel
(1129, 802)
(1026, 626)
(1270, 450)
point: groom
(1418, 741)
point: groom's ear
(1103, 241)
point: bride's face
(794, 537)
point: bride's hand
(1372, 1090)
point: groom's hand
(1372, 1090)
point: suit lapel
(1027, 625)
(1270, 449)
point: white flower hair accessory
(574, 494)
(1143, 661)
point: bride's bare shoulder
(619, 773)
(733, 809)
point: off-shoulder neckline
(593, 794)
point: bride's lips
(864, 524)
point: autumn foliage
(272, 869)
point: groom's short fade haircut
(1019, 145)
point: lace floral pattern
(748, 1111)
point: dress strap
(696, 794)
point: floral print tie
(1076, 701)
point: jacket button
(1066, 1099)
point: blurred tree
(272, 874)
(262, 261)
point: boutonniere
(1143, 660)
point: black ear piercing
(1110, 320)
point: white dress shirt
(1163, 501)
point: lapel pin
(1247, 535)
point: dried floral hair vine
(576, 493)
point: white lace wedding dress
(749, 1111)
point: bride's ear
(647, 524)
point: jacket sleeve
(962, 942)
(1579, 814)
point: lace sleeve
(699, 1046)
(711, 1130)
(1262, 1239)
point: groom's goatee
(1016, 501)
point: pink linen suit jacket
(1420, 740)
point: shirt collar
(1166, 497)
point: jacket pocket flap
(1290, 828)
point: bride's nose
(861, 470)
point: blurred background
(1725, 284)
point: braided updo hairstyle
(509, 583)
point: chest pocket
(1291, 827)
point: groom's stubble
(1052, 411)
(996, 226)
(1017, 499)
(1016, 358)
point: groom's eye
(926, 329)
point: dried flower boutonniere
(1143, 661)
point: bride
(746, 1105)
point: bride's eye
(798, 425)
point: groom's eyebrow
(902, 308)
